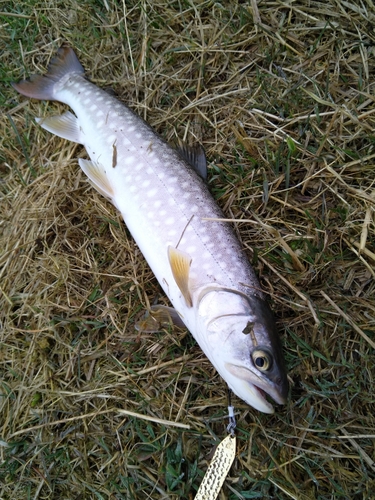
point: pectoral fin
(97, 175)
(65, 126)
(157, 318)
(180, 264)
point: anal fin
(65, 126)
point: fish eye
(262, 360)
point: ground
(281, 96)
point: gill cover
(240, 335)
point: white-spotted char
(165, 203)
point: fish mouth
(257, 398)
(254, 390)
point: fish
(165, 202)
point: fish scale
(150, 172)
(164, 202)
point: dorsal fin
(195, 156)
(180, 264)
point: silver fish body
(166, 205)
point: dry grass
(285, 110)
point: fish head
(238, 334)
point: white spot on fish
(145, 183)
(193, 275)
(99, 113)
(157, 204)
(100, 124)
(191, 249)
(111, 138)
(93, 107)
(169, 221)
(129, 160)
(151, 193)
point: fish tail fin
(42, 86)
